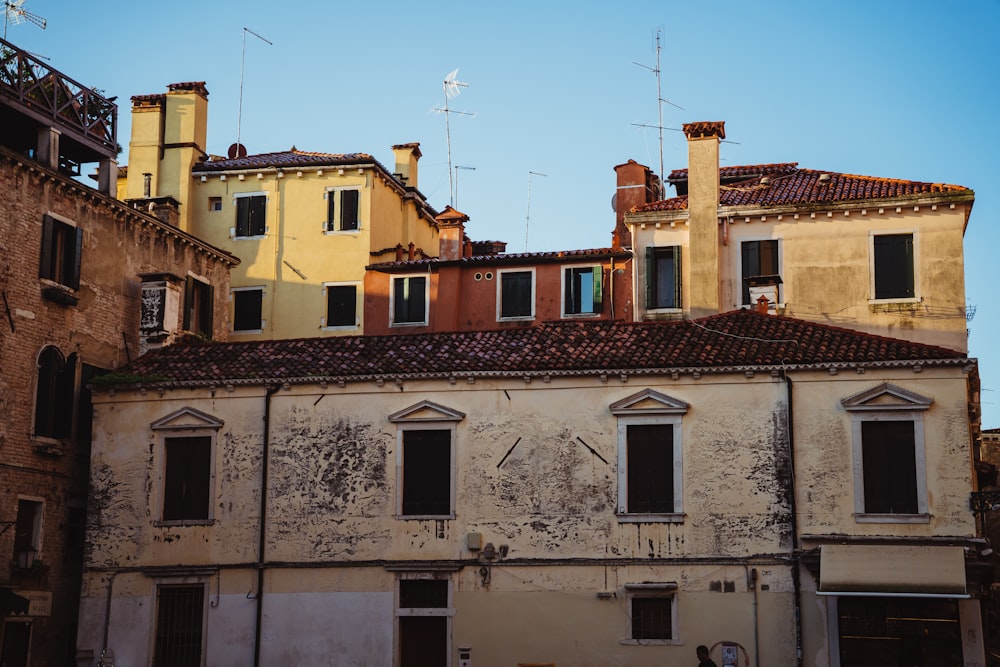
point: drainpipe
(269, 392)
(796, 583)
(107, 615)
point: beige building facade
(874, 254)
(304, 224)
(592, 493)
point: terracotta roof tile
(731, 341)
(287, 159)
(521, 258)
(786, 186)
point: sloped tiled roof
(289, 159)
(745, 171)
(730, 342)
(508, 258)
(806, 186)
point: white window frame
(920, 465)
(338, 209)
(426, 416)
(597, 272)
(666, 590)
(534, 287)
(739, 268)
(263, 323)
(358, 301)
(267, 202)
(184, 423)
(916, 298)
(392, 299)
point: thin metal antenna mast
(451, 89)
(527, 217)
(243, 60)
(15, 14)
(659, 104)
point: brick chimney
(451, 233)
(407, 156)
(703, 215)
(637, 185)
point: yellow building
(576, 493)
(874, 254)
(303, 224)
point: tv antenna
(452, 88)
(527, 216)
(660, 100)
(238, 149)
(15, 14)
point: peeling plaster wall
(536, 470)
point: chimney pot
(399, 252)
(409, 254)
(762, 304)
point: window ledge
(407, 324)
(256, 237)
(184, 522)
(340, 327)
(339, 232)
(425, 517)
(59, 293)
(519, 318)
(665, 310)
(650, 642)
(892, 518)
(674, 517)
(573, 316)
(246, 331)
(888, 302)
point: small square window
(215, 203)
(517, 295)
(342, 210)
(248, 309)
(652, 613)
(251, 212)
(409, 300)
(582, 290)
(341, 305)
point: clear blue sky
(902, 89)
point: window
(251, 212)
(28, 533)
(342, 212)
(582, 290)
(409, 300)
(179, 625)
(663, 277)
(426, 472)
(54, 394)
(62, 245)
(341, 306)
(198, 307)
(650, 486)
(652, 611)
(248, 305)
(758, 259)
(187, 478)
(425, 456)
(215, 204)
(517, 295)
(893, 274)
(890, 483)
(423, 616)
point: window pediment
(649, 402)
(886, 396)
(426, 411)
(187, 419)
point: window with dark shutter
(582, 290)
(409, 300)
(54, 391)
(187, 478)
(341, 306)
(62, 246)
(250, 215)
(247, 309)
(890, 468)
(516, 294)
(426, 472)
(650, 460)
(759, 258)
(198, 307)
(663, 277)
(893, 266)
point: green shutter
(598, 288)
(650, 277)
(73, 276)
(677, 277)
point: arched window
(54, 394)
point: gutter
(262, 533)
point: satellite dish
(237, 150)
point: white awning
(898, 570)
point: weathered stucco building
(76, 269)
(590, 493)
(879, 255)
(304, 224)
